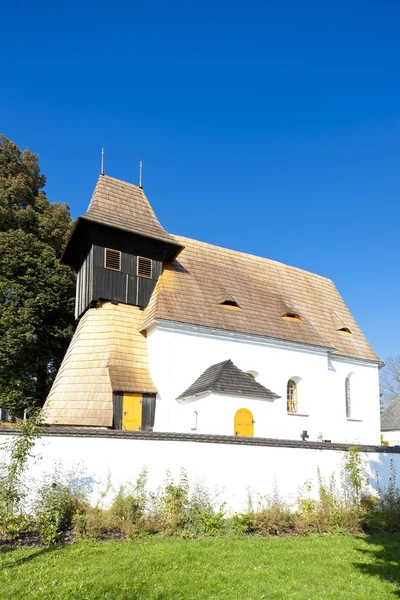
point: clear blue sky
(269, 127)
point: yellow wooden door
(132, 412)
(244, 423)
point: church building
(178, 335)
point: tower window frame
(112, 259)
(144, 267)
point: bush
(243, 523)
(13, 487)
(56, 505)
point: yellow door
(244, 423)
(132, 412)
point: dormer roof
(227, 378)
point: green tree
(36, 292)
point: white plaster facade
(231, 472)
(178, 355)
(392, 437)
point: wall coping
(93, 432)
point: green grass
(244, 568)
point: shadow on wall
(382, 465)
(383, 559)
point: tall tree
(390, 381)
(36, 292)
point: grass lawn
(241, 568)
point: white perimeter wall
(229, 471)
(393, 437)
(178, 356)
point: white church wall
(178, 354)
(230, 471)
(392, 437)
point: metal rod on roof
(102, 161)
(140, 174)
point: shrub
(275, 518)
(13, 488)
(129, 505)
(383, 513)
(95, 522)
(242, 523)
(56, 504)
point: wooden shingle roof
(125, 206)
(107, 354)
(227, 378)
(191, 288)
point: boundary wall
(231, 468)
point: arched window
(348, 398)
(292, 397)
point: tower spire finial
(102, 161)
(140, 174)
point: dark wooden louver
(148, 411)
(112, 259)
(144, 267)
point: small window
(292, 317)
(252, 374)
(292, 397)
(230, 304)
(345, 330)
(112, 259)
(348, 398)
(144, 267)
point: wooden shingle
(107, 354)
(190, 291)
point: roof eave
(272, 396)
(176, 248)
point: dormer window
(112, 259)
(229, 303)
(345, 330)
(144, 267)
(291, 316)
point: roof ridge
(120, 181)
(221, 367)
(181, 238)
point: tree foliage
(36, 292)
(390, 380)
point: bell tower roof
(123, 206)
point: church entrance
(244, 423)
(132, 412)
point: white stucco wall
(229, 471)
(393, 437)
(178, 354)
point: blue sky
(268, 127)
